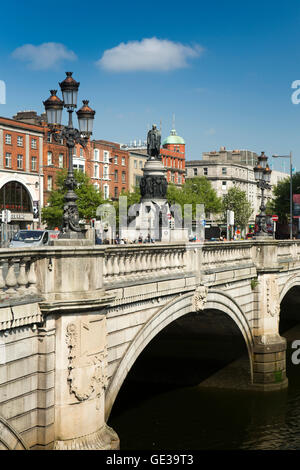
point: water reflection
(195, 417)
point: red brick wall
(14, 149)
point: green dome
(174, 139)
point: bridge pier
(269, 349)
(269, 369)
(81, 380)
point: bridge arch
(9, 438)
(178, 307)
(293, 281)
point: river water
(155, 414)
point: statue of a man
(153, 142)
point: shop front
(15, 197)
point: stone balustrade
(226, 254)
(17, 277)
(143, 262)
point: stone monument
(151, 219)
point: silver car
(31, 238)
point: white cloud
(44, 56)
(148, 55)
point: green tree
(88, 199)
(280, 204)
(195, 191)
(236, 200)
(133, 197)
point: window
(96, 155)
(195, 171)
(205, 171)
(61, 160)
(106, 156)
(224, 171)
(224, 185)
(141, 164)
(105, 172)
(8, 160)
(123, 177)
(33, 143)
(49, 183)
(116, 175)
(20, 141)
(96, 171)
(96, 186)
(116, 192)
(49, 137)
(173, 178)
(106, 191)
(135, 163)
(116, 159)
(81, 152)
(8, 139)
(20, 162)
(179, 179)
(33, 163)
(123, 161)
(49, 159)
(79, 167)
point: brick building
(21, 183)
(109, 169)
(173, 158)
(54, 152)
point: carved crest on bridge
(87, 357)
(273, 302)
(199, 299)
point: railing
(143, 262)
(221, 254)
(17, 277)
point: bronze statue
(153, 143)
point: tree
(236, 200)
(280, 204)
(88, 199)
(133, 197)
(195, 191)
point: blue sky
(224, 69)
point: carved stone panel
(199, 299)
(87, 375)
(272, 297)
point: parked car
(30, 238)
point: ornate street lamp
(53, 106)
(262, 174)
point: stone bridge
(74, 319)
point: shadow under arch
(178, 307)
(289, 304)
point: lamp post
(262, 174)
(54, 106)
(291, 190)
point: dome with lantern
(173, 138)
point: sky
(224, 69)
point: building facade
(173, 158)
(137, 160)
(227, 169)
(21, 182)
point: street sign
(6, 216)
(275, 218)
